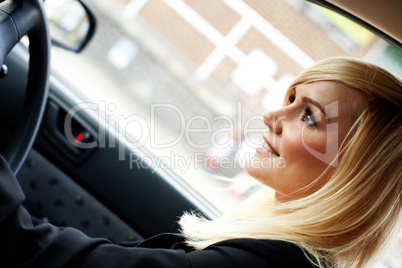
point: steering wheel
(19, 18)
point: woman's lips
(267, 149)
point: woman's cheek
(314, 141)
(307, 147)
(297, 143)
(323, 145)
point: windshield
(191, 79)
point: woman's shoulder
(264, 253)
(240, 252)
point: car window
(189, 80)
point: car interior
(74, 168)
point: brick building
(252, 48)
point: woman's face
(303, 138)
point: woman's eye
(309, 118)
(291, 98)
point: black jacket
(24, 245)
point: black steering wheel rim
(17, 19)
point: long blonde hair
(356, 213)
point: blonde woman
(341, 204)
(336, 202)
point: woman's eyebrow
(316, 104)
(313, 102)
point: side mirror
(71, 23)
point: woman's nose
(273, 120)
